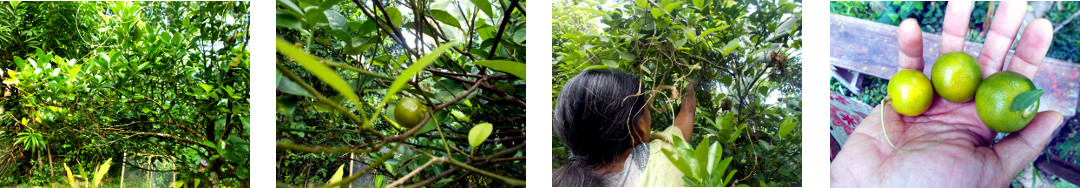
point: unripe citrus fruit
(408, 112)
(911, 92)
(956, 76)
(995, 97)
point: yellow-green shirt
(660, 172)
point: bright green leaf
(479, 133)
(287, 20)
(710, 31)
(416, 67)
(336, 20)
(484, 5)
(514, 68)
(102, 170)
(786, 127)
(460, 115)
(702, 154)
(1025, 100)
(445, 18)
(312, 64)
(395, 15)
(656, 13)
(731, 45)
(290, 6)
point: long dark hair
(595, 115)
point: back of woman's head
(595, 116)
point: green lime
(408, 112)
(911, 92)
(956, 76)
(995, 97)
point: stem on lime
(887, 99)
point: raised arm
(685, 119)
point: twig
(1066, 22)
(402, 180)
(502, 27)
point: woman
(602, 117)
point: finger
(955, 26)
(910, 39)
(1003, 30)
(1032, 48)
(1020, 148)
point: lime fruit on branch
(910, 92)
(955, 76)
(994, 101)
(409, 111)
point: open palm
(966, 155)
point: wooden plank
(872, 48)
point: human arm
(685, 119)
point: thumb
(1020, 148)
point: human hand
(964, 157)
(689, 93)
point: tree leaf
(479, 133)
(679, 43)
(287, 20)
(702, 154)
(672, 6)
(336, 20)
(460, 115)
(710, 31)
(416, 67)
(337, 176)
(786, 127)
(395, 15)
(313, 15)
(290, 6)
(514, 68)
(288, 86)
(656, 13)
(446, 18)
(699, 3)
(329, 4)
(206, 87)
(1025, 100)
(626, 55)
(520, 36)
(484, 5)
(312, 64)
(731, 45)
(677, 160)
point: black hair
(595, 116)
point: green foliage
(704, 166)
(101, 172)
(1066, 43)
(32, 141)
(873, 89)
(463, 60)
(91, 81)
(748, 61)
